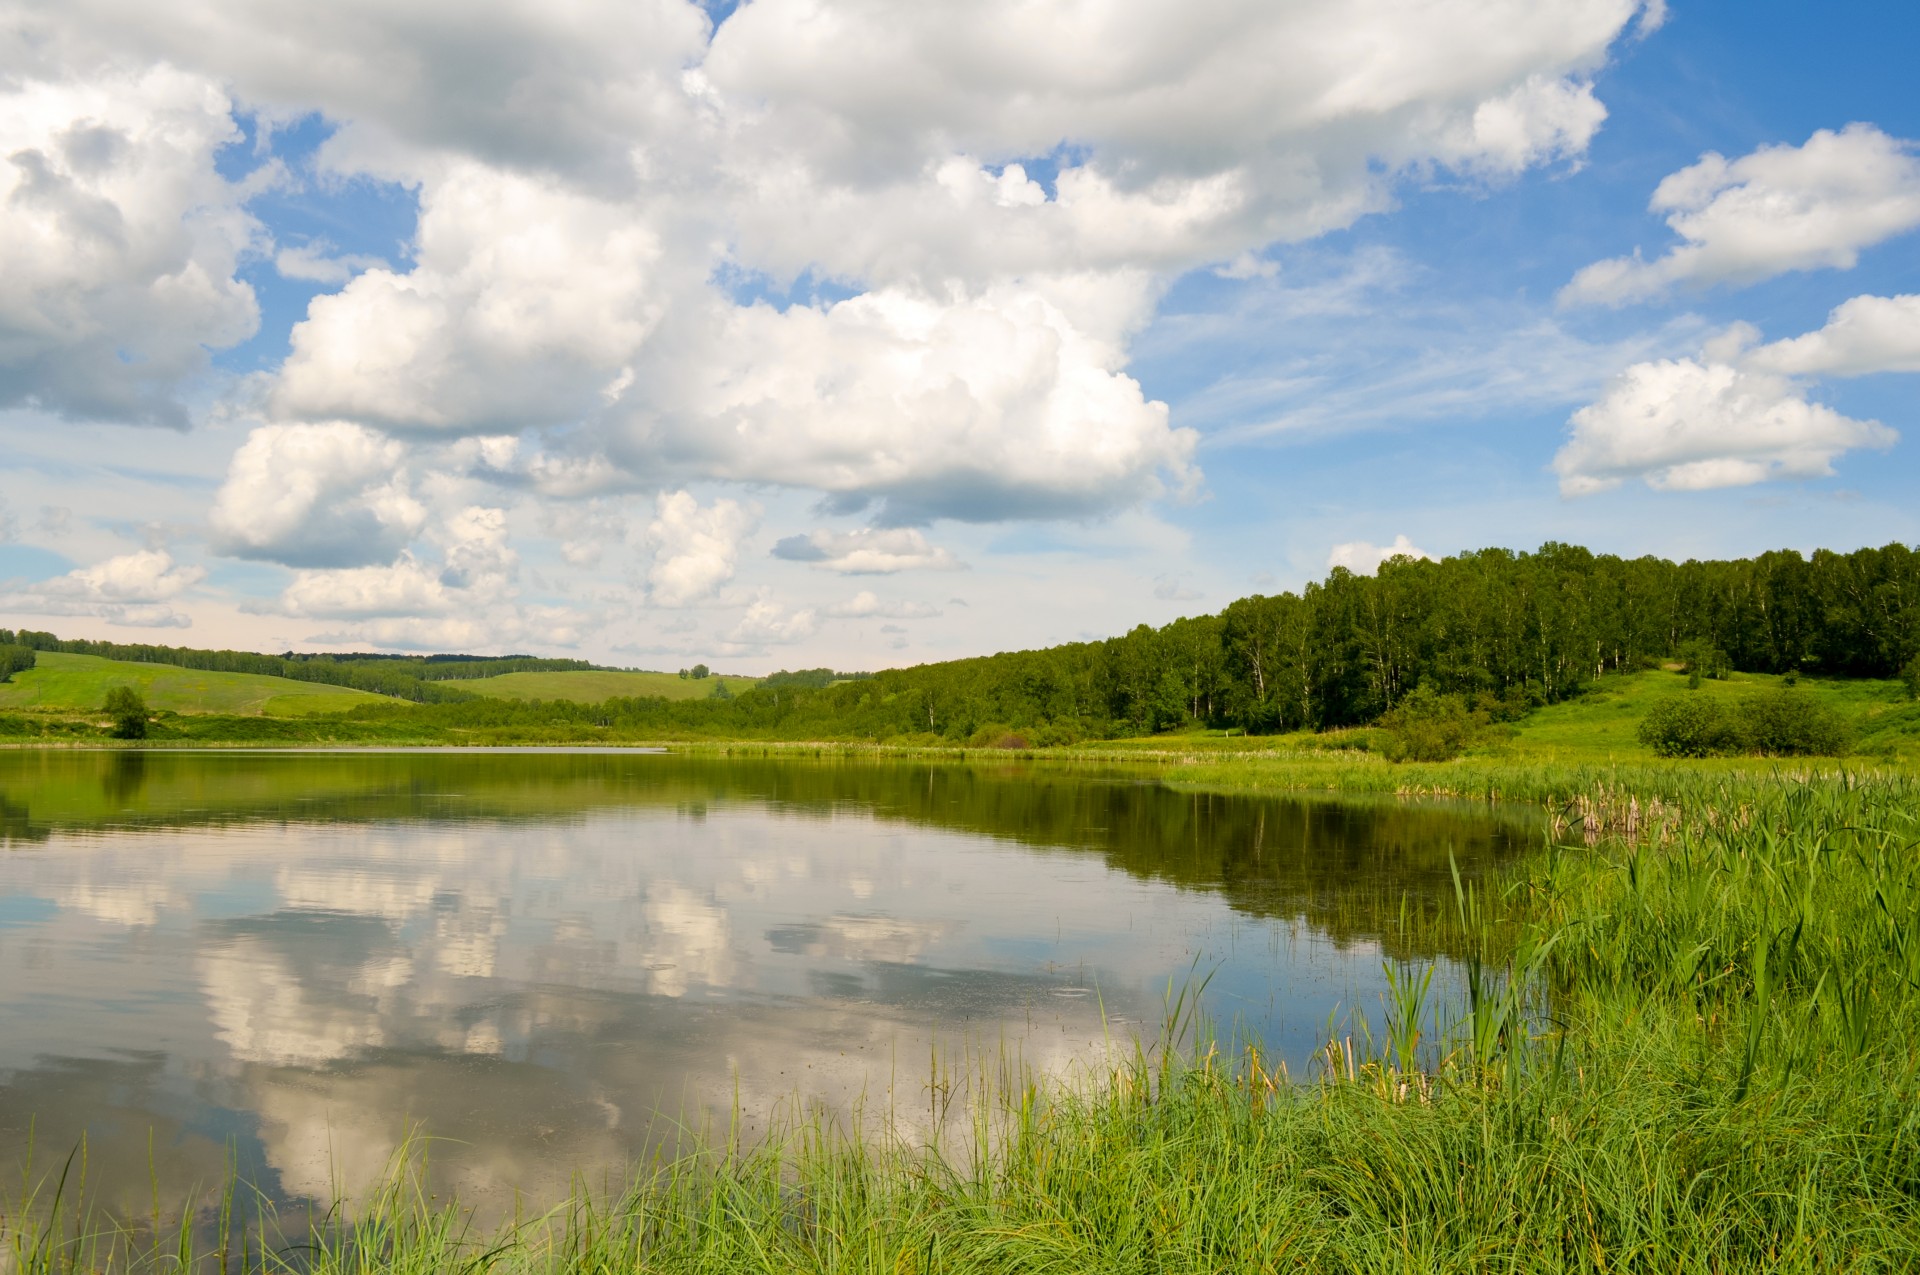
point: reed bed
(1697, 1049)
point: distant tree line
(1501, 630)
(811, 679)
(1504, 631)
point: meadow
(79, 684)
(1692, 1049)
(591, 687)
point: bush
(994, 735)
(1778, 723)
(1690, 726)
(1427, 726)
(1911, 676)
(1790, 723)
(14, 659)
(128, 711)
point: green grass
(1696, 1051)
(1602, 724)
(79, 683)
(596, 687)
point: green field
(1598, 727)
(1602, 724)
(594, 687)
(79, 683)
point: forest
(1504, 631)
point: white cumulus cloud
(333, 494)
(992, 199)
(119, 241)
(476, 571)
(527, 298)
(132, 589)
(1862, 336)
(1740, 412)
(768, 623)
(1779, 209)
(979, 409)
(1688, 425)
(695, 549)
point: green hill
(593, 687)
(1603, 723)
(80, 683)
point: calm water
(295, 959)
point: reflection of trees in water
(368, 1000)
(125, 778)
(1344, 865)
(15, 823)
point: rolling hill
(81, 682)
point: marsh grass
(1697, 1049)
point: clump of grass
(1692, 1052)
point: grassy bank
(1694, 1051)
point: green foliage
(128, 711)
(15, 658)
(1504, 631)
(1789, 723)
(1911, 676)
(1785, 722)
(994, 735)
(1691, 725)
(1425, 726)
(811, 679)
(720, 691)
(1700, 658)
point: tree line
(1503, 631)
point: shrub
(1790, 723)
(128, 711)
(1778, 723)
(1911, 676)
(1690, 726)
(1427, 726)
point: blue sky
(1006, 326)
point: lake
(547, 961)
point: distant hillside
(425, 679)
(603, 684)
(80, 683)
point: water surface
(295, 959)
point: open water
(548, 961)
